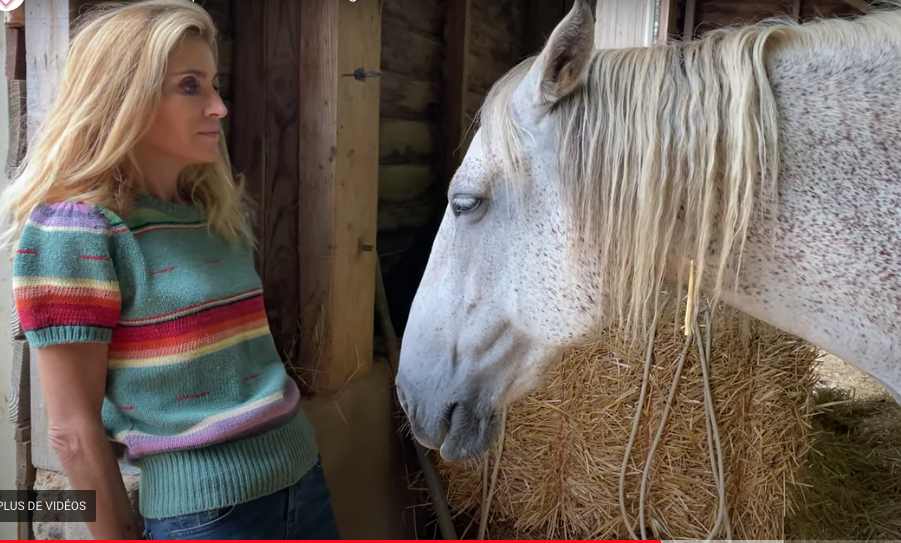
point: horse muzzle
(459, 428)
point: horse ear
(564, 59)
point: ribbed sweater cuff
(56, 335)
(236, 472)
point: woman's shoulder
(73, 216)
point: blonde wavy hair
(107, 98)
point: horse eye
(465, 204)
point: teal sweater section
(196, 390)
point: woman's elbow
(72, 440)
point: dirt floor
(835, 373)
(853, 475)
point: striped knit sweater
(196, 390)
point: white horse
(766, 156)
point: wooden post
(19, 393)
(265, 133)
(667, 14)
(691, 12)
(340, 54)
(543, 16)
(624, 23)
(456, 79)
(862, 5)
(306, 136)
(46, 49)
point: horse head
(503, 294)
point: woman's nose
(216, 107)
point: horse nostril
(449, 413)
(401, 397)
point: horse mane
(670, 150)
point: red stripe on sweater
(249, 309)
(36, 316)
(209, 303)
(30, 302)
(190, 339)
(58, 291)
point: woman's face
(186, 126)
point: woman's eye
(465, 204)
(189, 85)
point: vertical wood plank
(46, 49)
(338, 152)
(543, 16)
(456, 84)
(667, 27)
(19, 394)
(621, 24)
(264, 139)
(16, 73)
(861, 5)
(15, 52)
(43, 456)
(248, 110)
(15, 18)
(356, 187)
(691, 14)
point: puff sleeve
(65, 286)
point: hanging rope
(692, 332)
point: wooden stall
(348, 120)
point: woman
(134, 279)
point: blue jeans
(301, 511)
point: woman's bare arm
(73, 380)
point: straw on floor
(852, 478)
(559, 470)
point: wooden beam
(621, 24)
(19, 394)
(264, 135)
(456, 85)
(667, 27)
(543, 16)
(338, 152)
(15, 18)
(858, 4)
(46, 49)
(15, 52)
(18, 139)
(691, 13)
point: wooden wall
(712, 14)
(223, 13)
(421, 80)
(409, 128)
(308, 145)
(497, 42)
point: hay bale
(564, 443)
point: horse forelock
(670, 151)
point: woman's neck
(160, 176)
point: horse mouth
(467, 433)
